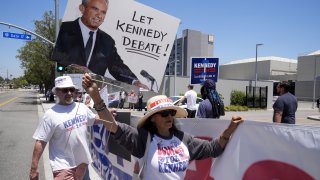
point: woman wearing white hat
(165, 149)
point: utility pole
(256, 66)
(56, 6)
(175, 64)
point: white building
(308, 76)
(268, 68)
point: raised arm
(225, 136)
(105, 115)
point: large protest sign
(143, 40)
(256, 150)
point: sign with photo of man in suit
(122, 40)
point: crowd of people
(134, 101)
(64, 127)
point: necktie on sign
(89, 45)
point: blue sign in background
(204, 68)
(17, 36)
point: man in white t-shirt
(123, 96)
(191, 96)
(64, 126)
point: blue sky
(287, 28)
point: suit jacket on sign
(69, 49)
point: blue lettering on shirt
(173, 167)
(75, 121)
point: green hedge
(238, 98)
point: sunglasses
(166, 113)
(66, 90)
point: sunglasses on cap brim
(166, 113)
(66, 90)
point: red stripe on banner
(270, 169)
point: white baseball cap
(63, 82)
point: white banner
(256, 150)
(132, 99)
(271, 151)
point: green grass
(240, 108)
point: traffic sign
(17, 36)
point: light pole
(56, 7)
(176, 60)
(256, 68)
(175, 64)
(314, 81)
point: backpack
(219, 107)
(217, 104)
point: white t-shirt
(123, 95)
(65, 128)
(191, 96)
(166, 159)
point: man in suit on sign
(81, 42)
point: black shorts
(191, 113)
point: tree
(19, 82)
(35, 55)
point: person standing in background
(77, 95)
(212, 106)
(191, 97)
(48, 93)
(123, 96)
(132, 99)
(285, 106)
(140, 100)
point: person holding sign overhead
(81, 42)
(166, 150)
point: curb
(314, 118)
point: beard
(69, 101)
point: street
(18, 118)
